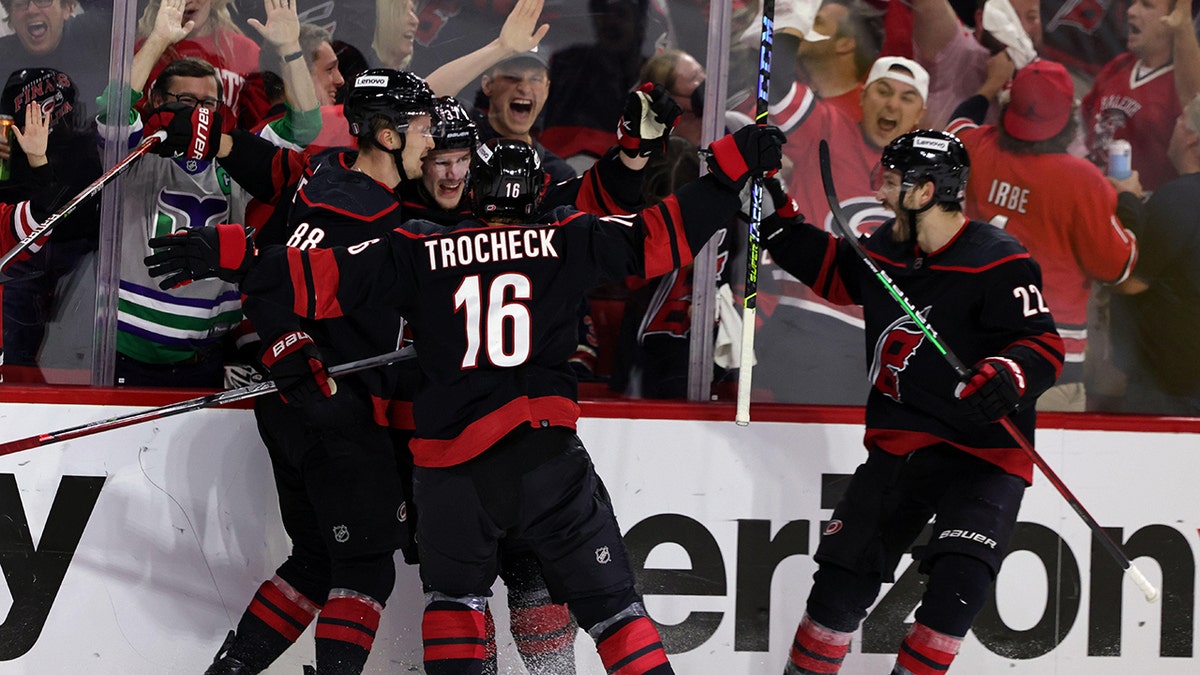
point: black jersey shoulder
(335, 187)
(980, 246)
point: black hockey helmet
(506, 179)
(392, 94)
(927, 154)
(453, 128)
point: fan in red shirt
(1060, 207)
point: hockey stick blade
(199, 403)
(43, 229)
(839, 219)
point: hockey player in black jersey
(339, 487)
(932, 446)
(495, 448)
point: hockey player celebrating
(495, 448)
(339, 487)
(932, 449)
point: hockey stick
(750, 295)
(963, 373)
(88, 192)
(211, 400)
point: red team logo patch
(833, 527)
(893, 349)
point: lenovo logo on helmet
(932, 144)
(371, 81)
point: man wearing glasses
(182, 337)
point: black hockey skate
(224, 664)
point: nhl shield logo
(603, 556)
(341, 533)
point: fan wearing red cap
(1059, 206)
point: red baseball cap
(1040, 101)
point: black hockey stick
(219, 398)
(963, 373)
(88, 192)
(750, 295)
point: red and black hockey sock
(631, 646)
(817, 649)
(544, 633)
(345, 632)
(454, 635)
(926, 652)
(491, 664)
(276, 616)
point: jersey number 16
(505, 327)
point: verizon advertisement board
(136, 550)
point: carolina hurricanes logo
(893, 349)
(863, 214)
(1086, 15)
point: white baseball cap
(902, 70)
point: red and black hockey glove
(650, 115)
(751, 150)
(193, 132)
(782, 214)
(299, 374)
(994, 388)
(224, 251)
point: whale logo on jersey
(895, 346)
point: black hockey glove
(224, 251)
(650, 115)
(993, 390)
(296, 367)
(192, 132)
(784, 215)
(751, 150)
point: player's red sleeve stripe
(295, 266)
(665, 245)
(592, 196)
(829, 283)
(326, 282)
(1047, 345)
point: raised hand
(746, 152)
(169, 24)
(36, 136)
(283, 24)
(650, 115)
(520, 32)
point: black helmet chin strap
(912, 214)
(397, 153)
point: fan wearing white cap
(957, 58)
(816, 340)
